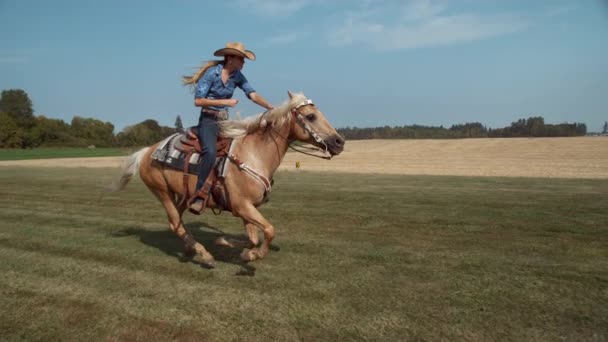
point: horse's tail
(130, 169)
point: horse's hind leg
(252, 233)
(252, 238)
(174, 214)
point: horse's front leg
(253, 219)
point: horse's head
(310, 125)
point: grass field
(356, 257)
(61, 152)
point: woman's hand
(255, 97)
(231, 102)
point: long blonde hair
(193, 79)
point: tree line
(530, 127)
(20, 128)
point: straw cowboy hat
(237, 49)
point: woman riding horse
(260, 143)
(215, 84)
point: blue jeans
(207, 134)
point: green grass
(60, 152)
(356, 257)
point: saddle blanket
(169, 153)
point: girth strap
(186, 179)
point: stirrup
(197, 205)
(198, 202)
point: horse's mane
(277, 117)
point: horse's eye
(311, 117)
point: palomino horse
(260, 144)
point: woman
(215, 85)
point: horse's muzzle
(335, 144)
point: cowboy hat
(237, 49)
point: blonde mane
(277, 117)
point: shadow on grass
(171, 245)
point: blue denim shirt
(210, 85)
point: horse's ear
(290, 94)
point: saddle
(191, 144)
(182, 151)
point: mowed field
(359, 254)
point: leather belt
(215, 114)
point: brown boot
(197, 205)
(199, 201)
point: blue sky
(364, 62)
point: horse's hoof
(207, 260)
(221, 241)
(208, 264)
(249, 255)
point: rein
(315, 149)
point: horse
(260, 143)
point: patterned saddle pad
(170, 153)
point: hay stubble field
(575, 157)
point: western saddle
(213, 185)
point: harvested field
(580, 157)
(577, 157)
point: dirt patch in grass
(576, 157)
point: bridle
(307, 128)
(300, 119)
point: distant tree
(179, 126)
(468, 130)
(159, 132)
(11, 136)
(536, 126)
(90, 131)
(518, 128)
(144, 133)
(136, 135)
(605, 130)
(151, 124)
(17, 104)
(55, 132)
